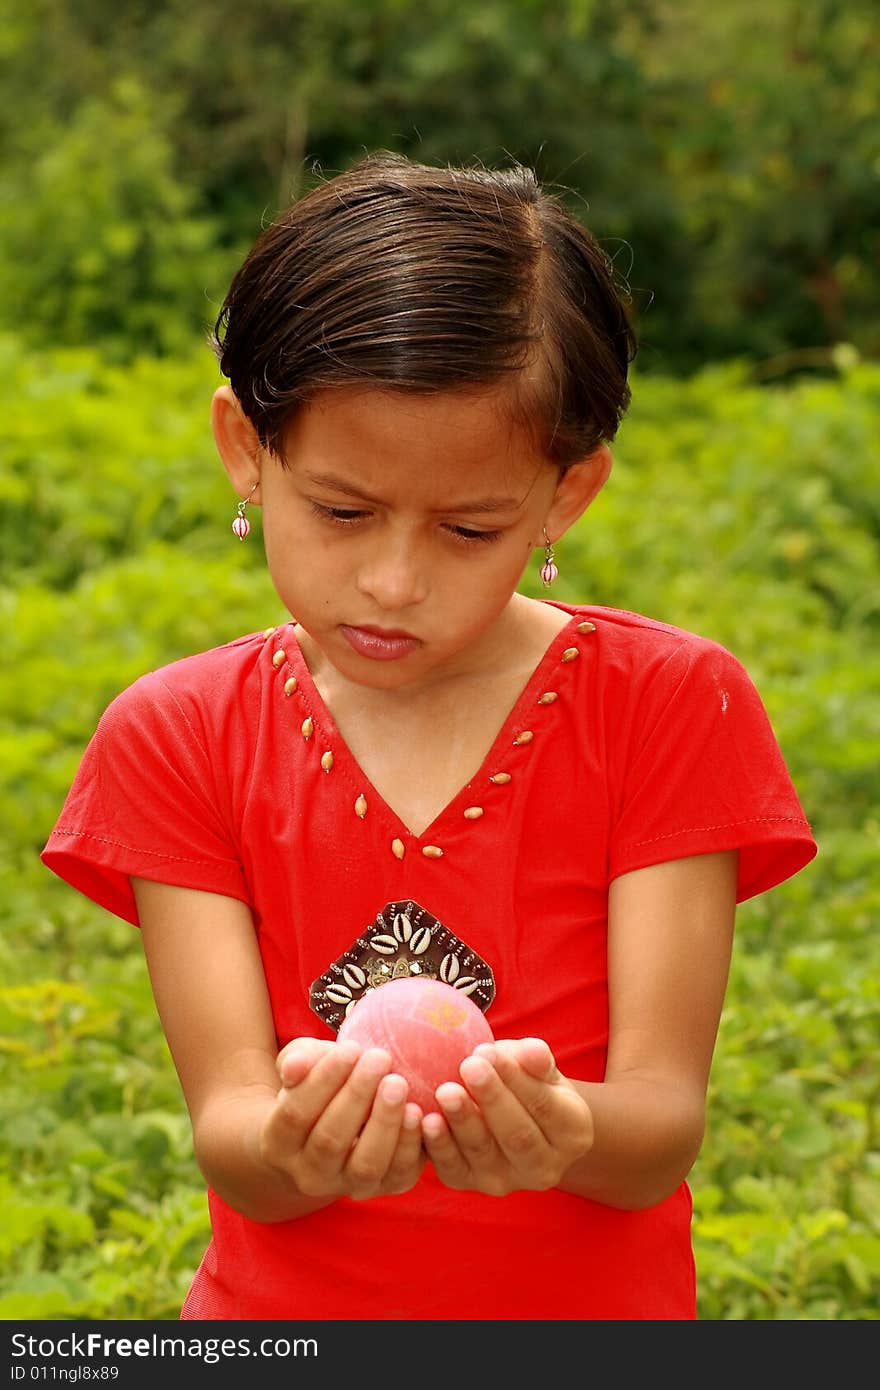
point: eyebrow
(472, 505)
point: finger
(467, 1126)
(372, 1155)
(535, 1057)
(532, 1054)
(528, 1068)
(409, 1156)
(337, 1127)
(509, 1124)
(556, 1111)
(443, 1152)
(296, 1059)
(300, 1103)
(498, 1104)
(441, 1147)
(410, 1151)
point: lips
(388, 632)
(380, 644)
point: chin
(379, 675)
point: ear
(238, 443)
(576, 489)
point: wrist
(647, 1135)
(230, 1152)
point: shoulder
(208, 690)
(641, 674)
(626, 631)
(637, 650)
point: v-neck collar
(497, 754)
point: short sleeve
(704, 772)
(144, 803)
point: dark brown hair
(410, 277)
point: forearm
(227, 1146)
(646, 1139)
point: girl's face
(401, 527)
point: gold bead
(326, 761)
(398, 848)
(525, 736)
(268, 633)
(500, 778)
(290, 685)
(586, 627)
(280, 657)
(473, 813)
(570, 653)
(548, 697)
(432, 851)
(360, 806)
(308, 728)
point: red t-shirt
(206, 773)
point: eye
(343, 516)
(467, 537)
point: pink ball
(426, 1025)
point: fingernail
(433, 1126)
(451, 1101)
(394, 1090)
(376, 1061)
(478, 1070)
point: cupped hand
(341, 1124)
(515, 1123)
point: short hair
(422, 279)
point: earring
(549, 571)
(241, 526)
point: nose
(394, 575)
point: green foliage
(729, 166)
(775, 177)
(103, 1215)
(99, 235)
(747, 514)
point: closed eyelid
(327, 509)
(350, 516)
(477, 507)
(446, 517)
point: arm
(276, 1135)
(670, 938)
(631, 1139)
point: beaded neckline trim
(501, 776)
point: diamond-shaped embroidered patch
(404, 941)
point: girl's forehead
(450, 430)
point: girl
(426, 771)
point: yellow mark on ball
(441, 1014)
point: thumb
(536, 1058)
(297, 1058)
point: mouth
(386, 632)
(380, 644)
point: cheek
(292, 542)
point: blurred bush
(729, 167)
(100, 239)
